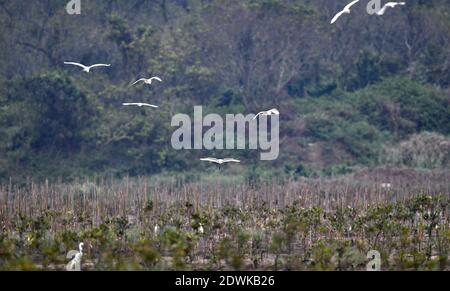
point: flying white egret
(87, 69)
(389, 5)
(220, 161)
(76, 256)
(140, 105)
(147, 81)
(267, 113)
(346, 10)
(386, 185)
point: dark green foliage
(403, 107)
(345, 90)
(51, 109)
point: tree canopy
(346, 91)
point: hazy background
(366, 92)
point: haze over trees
(348, 92)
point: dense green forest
(364, 92)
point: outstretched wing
(231, 161)
(393, 4)
(382, 10)
(150, 105)
(274, 111)
(351, 4)
(212, 160)
(75, 64)
(336, 17)
(100, 65)
(156, 78)
(256, 116)
(390, 4)
(140, 80)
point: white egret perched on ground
(156, 230)
(201, 230)
(220, 161)
(87, 69)
(147, 81)
(267, 113)
(140, 105)
(76, 256)
(389, 5)
(346, 10)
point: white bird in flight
(220, 161)
(147, 81)
(346, 10)
(87, 69)
(140, 105)
(389, 5)
(267, 113)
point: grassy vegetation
(309, 224)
